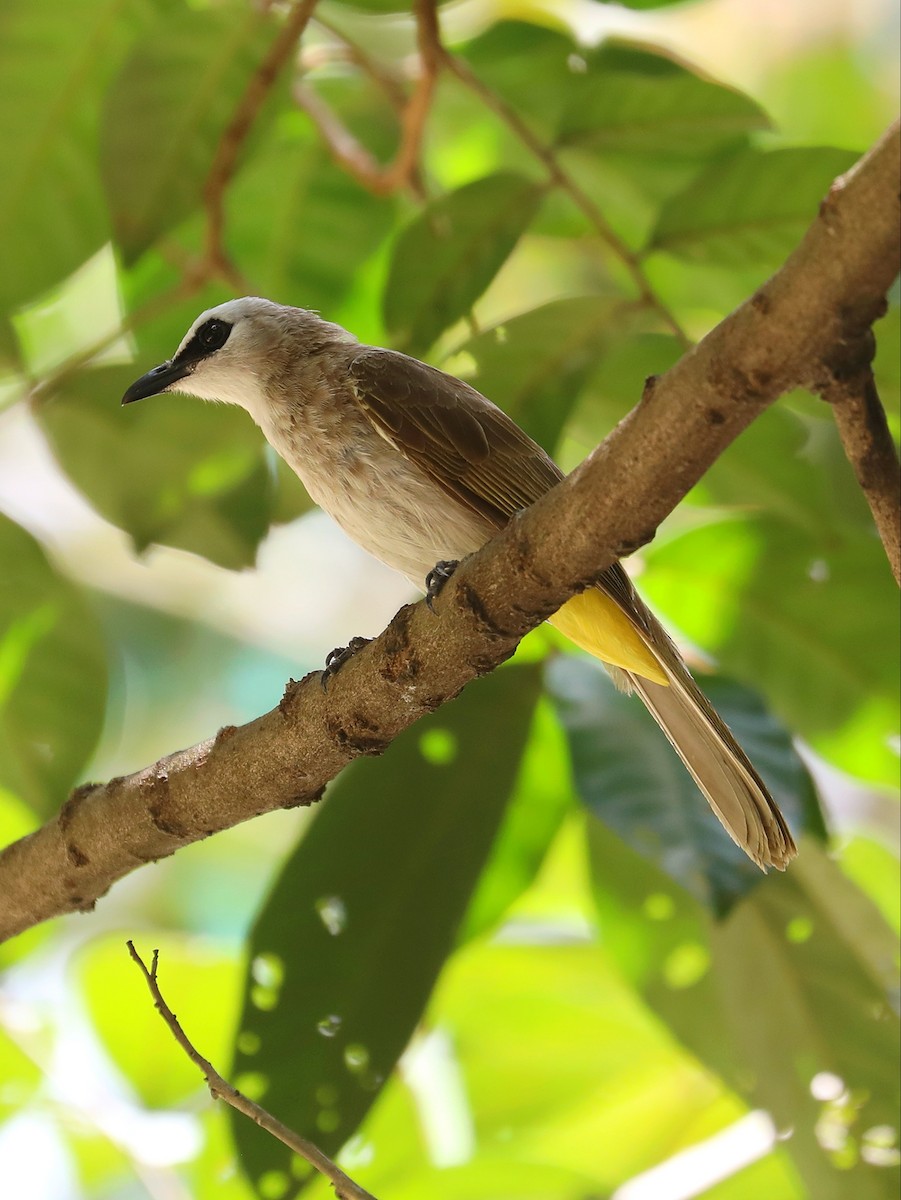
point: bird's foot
(437, 578)
(336, 659)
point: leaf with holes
(52, 675)
(348, 946)
(448, 255)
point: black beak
(157, 380)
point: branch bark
(869, 448)
(793, 332)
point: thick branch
(787, 335)
(221, 1089)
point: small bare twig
(870, 450)
(221, 1089)
(225, 160)
(346, 149)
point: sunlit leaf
(534, 366)
(635, 98)
(349, 944)
(447, 256)
(52, 675)
(629, 776)
(794, 984)
(751, 208)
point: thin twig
(870, 449)
(388, 81)
(236, 132)
(221, 1089)
(346, 149)
(562, 179)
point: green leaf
(630, 777)
(165, 112)
(53, 64)
(797, 981)
(320, 225)
(52, 675)
(634, 98)
(530, 66)
(534, 365)
(449, 254)
(813, 623)
(349, 944)
(534, 814)
(751, 208)
(170, 470)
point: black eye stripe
(208, 338)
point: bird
(420, 469)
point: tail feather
(700, 737)
(718, 765)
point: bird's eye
(213, 334)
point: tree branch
(789, 334)
(349, 153)
(870, 450)
(221, 1089)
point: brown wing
(469, 446)
(449, 430)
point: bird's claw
(437, 578)
(336, 658)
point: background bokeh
(623, 1007)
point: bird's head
(232, 353)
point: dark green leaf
(52, 675)
(797, 981)
(169, 469)
(629, 776)
(449, 254)
(751, 208)
(166, 111)
(349, 944)
(634, 98)
(320, 226)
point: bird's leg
(437, 578)
(336, 658)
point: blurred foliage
(515, 958)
